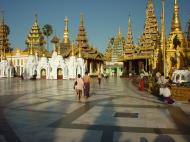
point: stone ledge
(180, 93)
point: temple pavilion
(153, 52)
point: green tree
(47, 31)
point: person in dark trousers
(86, 80)
(99, 78)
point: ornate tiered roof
(150, 35)
(35, 40)
(81, 47)
(81, 36)
(35, 37)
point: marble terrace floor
(48, 111)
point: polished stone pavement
(48, 111)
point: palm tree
(47, 31)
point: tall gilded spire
(66, 31)
(81, 36)
(176, 23)
(150, 34)
(35, 36)
(129, 40)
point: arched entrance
(43, 74)
(59, 73)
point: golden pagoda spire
(151, 33)
(176, 24)
(35, 35)
(163, 46)
(66, 31)
(81, 36)
(129, 40)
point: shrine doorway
(59, 73)
(43, 73)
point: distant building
(114, 51)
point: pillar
(90, 67)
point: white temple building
(66, 61)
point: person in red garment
(141, 82)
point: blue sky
(102, 17)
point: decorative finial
(176, 24)
(66, 23)
(119, 32)
(175, 2)
(36, 18)
(2, 17)
(81, 19)
(66, 31)
(129, 23)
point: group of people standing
(82, 85)
(163, 86)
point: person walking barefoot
(79, 87)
